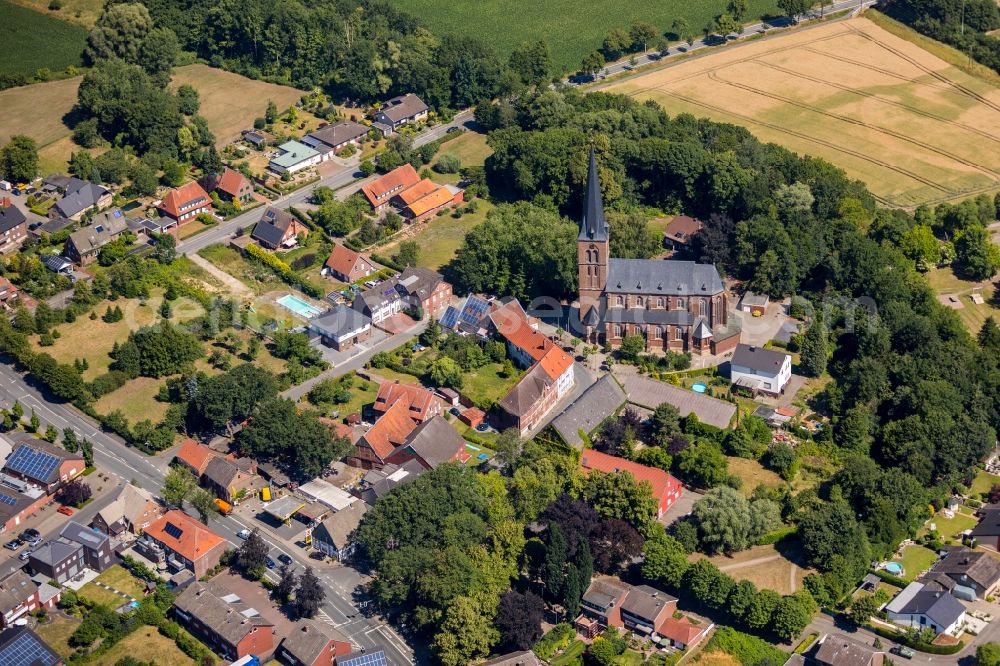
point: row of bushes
(283, 270)
(916, 644)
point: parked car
(269, 563)
(65, 510)
(482, 427)
(25, 554)
(452, 129)
(903, 651)
(13, 544)
(244, 533)
(284, 559)
(455, 411)
(31, 536)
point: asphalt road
(224, 230)
(715, 40)
(111, 454)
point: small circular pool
(894, 568)
(699, 387)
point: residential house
(754, 304)
(425, 289)
(523, 658)
(531, 399)
(224, 622)
(600, 606)
(666, 489)
(682, 633)
(8, 294)
(13, 227)
(278, 229)
(20, 646)
(313, 644)
(293, 157)
(525, 344)
(97, 551)
(18, 596)
(183, 204)
(987, 531)
(972, 569)
(921, 608)
(390, 431)
(363, 658)
(381, 190)
(837, 650)
(79, 196)
(83, 245)
(421, 404)
(230, 185)
(760, 370)
(257, 138)
(433, 443)
(17, 505)
(331, 139)
(194, 456)
(50, 227)
(646, 608)
(133, 510)
(43, 465)
(58, 560)
(680, 230)
(587, 412)
(334, 537)
(341, 327)
(399, 111)
(473, 317)
(347, 265)
(181, 542)
(227, 479)
(425, 198)
(378, 482)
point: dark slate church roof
(593, 227)
(652, 276)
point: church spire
(593, 227)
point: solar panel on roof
(34, 464)
(7, 499)
(450, 317)
(376, 658)
(27, 649)
(173, 530)
(473, 311)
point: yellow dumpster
(265, 494)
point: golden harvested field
(913, 127)
(81, 12)
(762, 565)
(229, 101)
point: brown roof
(417, 399)
(194, 540)
(402, 107)
(218, 608)
(185, 197)
(338, 133)
(682, 227)
(391, 430)
(382, 189)
(437, 198)
(15, 589)
(435, 441)
(526, 392)
(195, 455)
(980, 567)
(647, 602)
(308, 639)
(418, 191)
(681, 630)
(842, 651)
(231, 182)
(343, 259)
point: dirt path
(750, 563)
(236, 288)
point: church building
(675, 305)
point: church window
(659, 302)
(638, 301)
(618, 331)
(659, 332)
(680, 303)
(704, 306)
(621, 301)
(677, 334)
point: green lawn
(120, 579)
(916, 560)
(34, 41)
(571, 655)
(471, 150)
(441, 237)
(57, 632)
(982, 483)
(255, 277)
(950, 528)
(147, 643)
(571, 29)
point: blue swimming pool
(298, 306)
(895, 568)
(699, 388)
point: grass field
(470, 148)
(571, 29)
(34, 41)
(230, 102)
(80, 12)
(57, 632)
(440, 238)
(136, 400)
(913, 127)
(147, 642)
(983, 483)
(947, 285)
(763, 565)
(916, 560)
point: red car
(65, 510)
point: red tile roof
(661, 482)
(418, 191)
(382, 189)
(195, 455)
(439, 197)
(532, 342)
(231, 182)
(681, 630)
(195, 539)
(555, 362)
(184, 196)
(417, 399)
(391, 430)
(342, 259)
